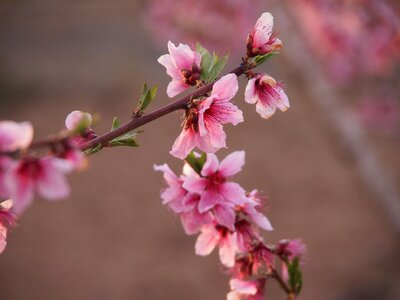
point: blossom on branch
(183, 65)
(203, 125)
(15, 136)
(261, 39)
(267, 93)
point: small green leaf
(259, 59)
(217, 65)
(93, 150)
(205, 61)
(146, 97)
(115, 124)
(196, 162)
(128, 139)
(295, 275)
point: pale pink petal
(169, 175)
(171, 193)
(78, 118)
(207, 240)
(250, 92)
(208, 200)
(243, 286)
(258, 218)
(225, 216)
(166, 61)
(227, 250)
(183, 144)
(263, 29)
(14, 136)
(20, 188)
(225, 113)
(232, 164)
(206, 143)
(265, 110)
(211, 165)
(175, 87)
(216, 134)
(182, 56)
(3, 238)
(226, 88)
(195, 184)
(283, 102)
(204, 106)
(233, 192)
(193, 221)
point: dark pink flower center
(30, 167)
(192, 75)
(215, 180)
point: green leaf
(259, 59)
(93, 150)
(146, 97)
(128, 139)
(295, 275)
(217, 65)
(115, 124)
(196, 162)
(205, 61)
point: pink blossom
(213, 235)
(5, 163)
(261, 40)
(203, 123)
(216, 193)
(246, 290)
(15, 136)
(181, 201)
(6, 221)
(267, 93)
(252, 208)
(183, 65)
(44, 175)
(78, 120)
(291, 248)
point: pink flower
(78, 120)
(182, 202)
(261, 40)
(267, 93)
(214, 235)
(5, 163)
(291, 248)
(183, 65)
(44, 175)
(252, 208)
(203, 123)
(15, 136)
(216, 193)
(246, 290)
(6, 221)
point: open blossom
(261, 40)
(268, 95)
(215, 191)
(14, 136)
(6, 221)
(183, 65)
(203, 127)
(252, 208)
(246, 290)
(45, 175)
(182, 202)
(213, 235)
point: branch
(137, 122)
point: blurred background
(330, 165)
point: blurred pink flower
(6, 221)
(15, 136)
(213, 235)
(246, 290)
(183, 65)
(44, 175)
(203, 124)
(204, 21)
(261, 40)
(267, 93)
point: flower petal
(232, 164)
(207, 240)
(211, 165)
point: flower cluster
(226, 217)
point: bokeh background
(330, 171)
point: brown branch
(147, 118)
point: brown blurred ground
(113, 239)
